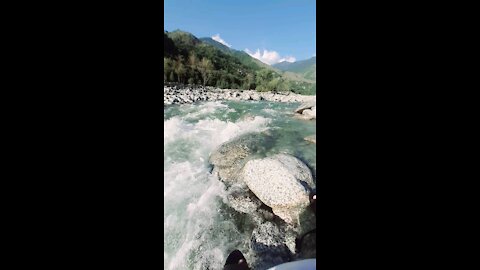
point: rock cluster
(229, 159)
(273, 191)
(189, 94)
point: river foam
(197, 233)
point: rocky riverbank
(190, 94)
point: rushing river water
(199, 231)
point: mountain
(193, 60)
(241, 55)
(306, 68)
(256, 64)
(216, 44)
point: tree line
(202, 71)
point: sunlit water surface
(199, 231)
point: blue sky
(270, 30)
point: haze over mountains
(193, 60)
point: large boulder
(305, 106)
(309, 114)
(282, 182)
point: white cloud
(219, 39)
(290, 59)
(269, 57)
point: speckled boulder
(243, 200)
(229, 158)
(282, 182)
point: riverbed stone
(306, 114)
(304, 106)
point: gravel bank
(190, 94)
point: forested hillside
(306, 68)
(188, 59)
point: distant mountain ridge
(288, 73)
(215, 44)
(245, 57)
(306, 68)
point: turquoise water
(199, 228)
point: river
(199, 228)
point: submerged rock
(282, 182)
(229, 158)
(269, 245)
(307, 246)
(268, 238)
(311, 138)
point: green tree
(273, 84)
(205, 67)
(261, 88)
(249, 81)
(167, 68)
(180, 69)
(264, 76)
(192, 60)
(192, 68)
(283, 86)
